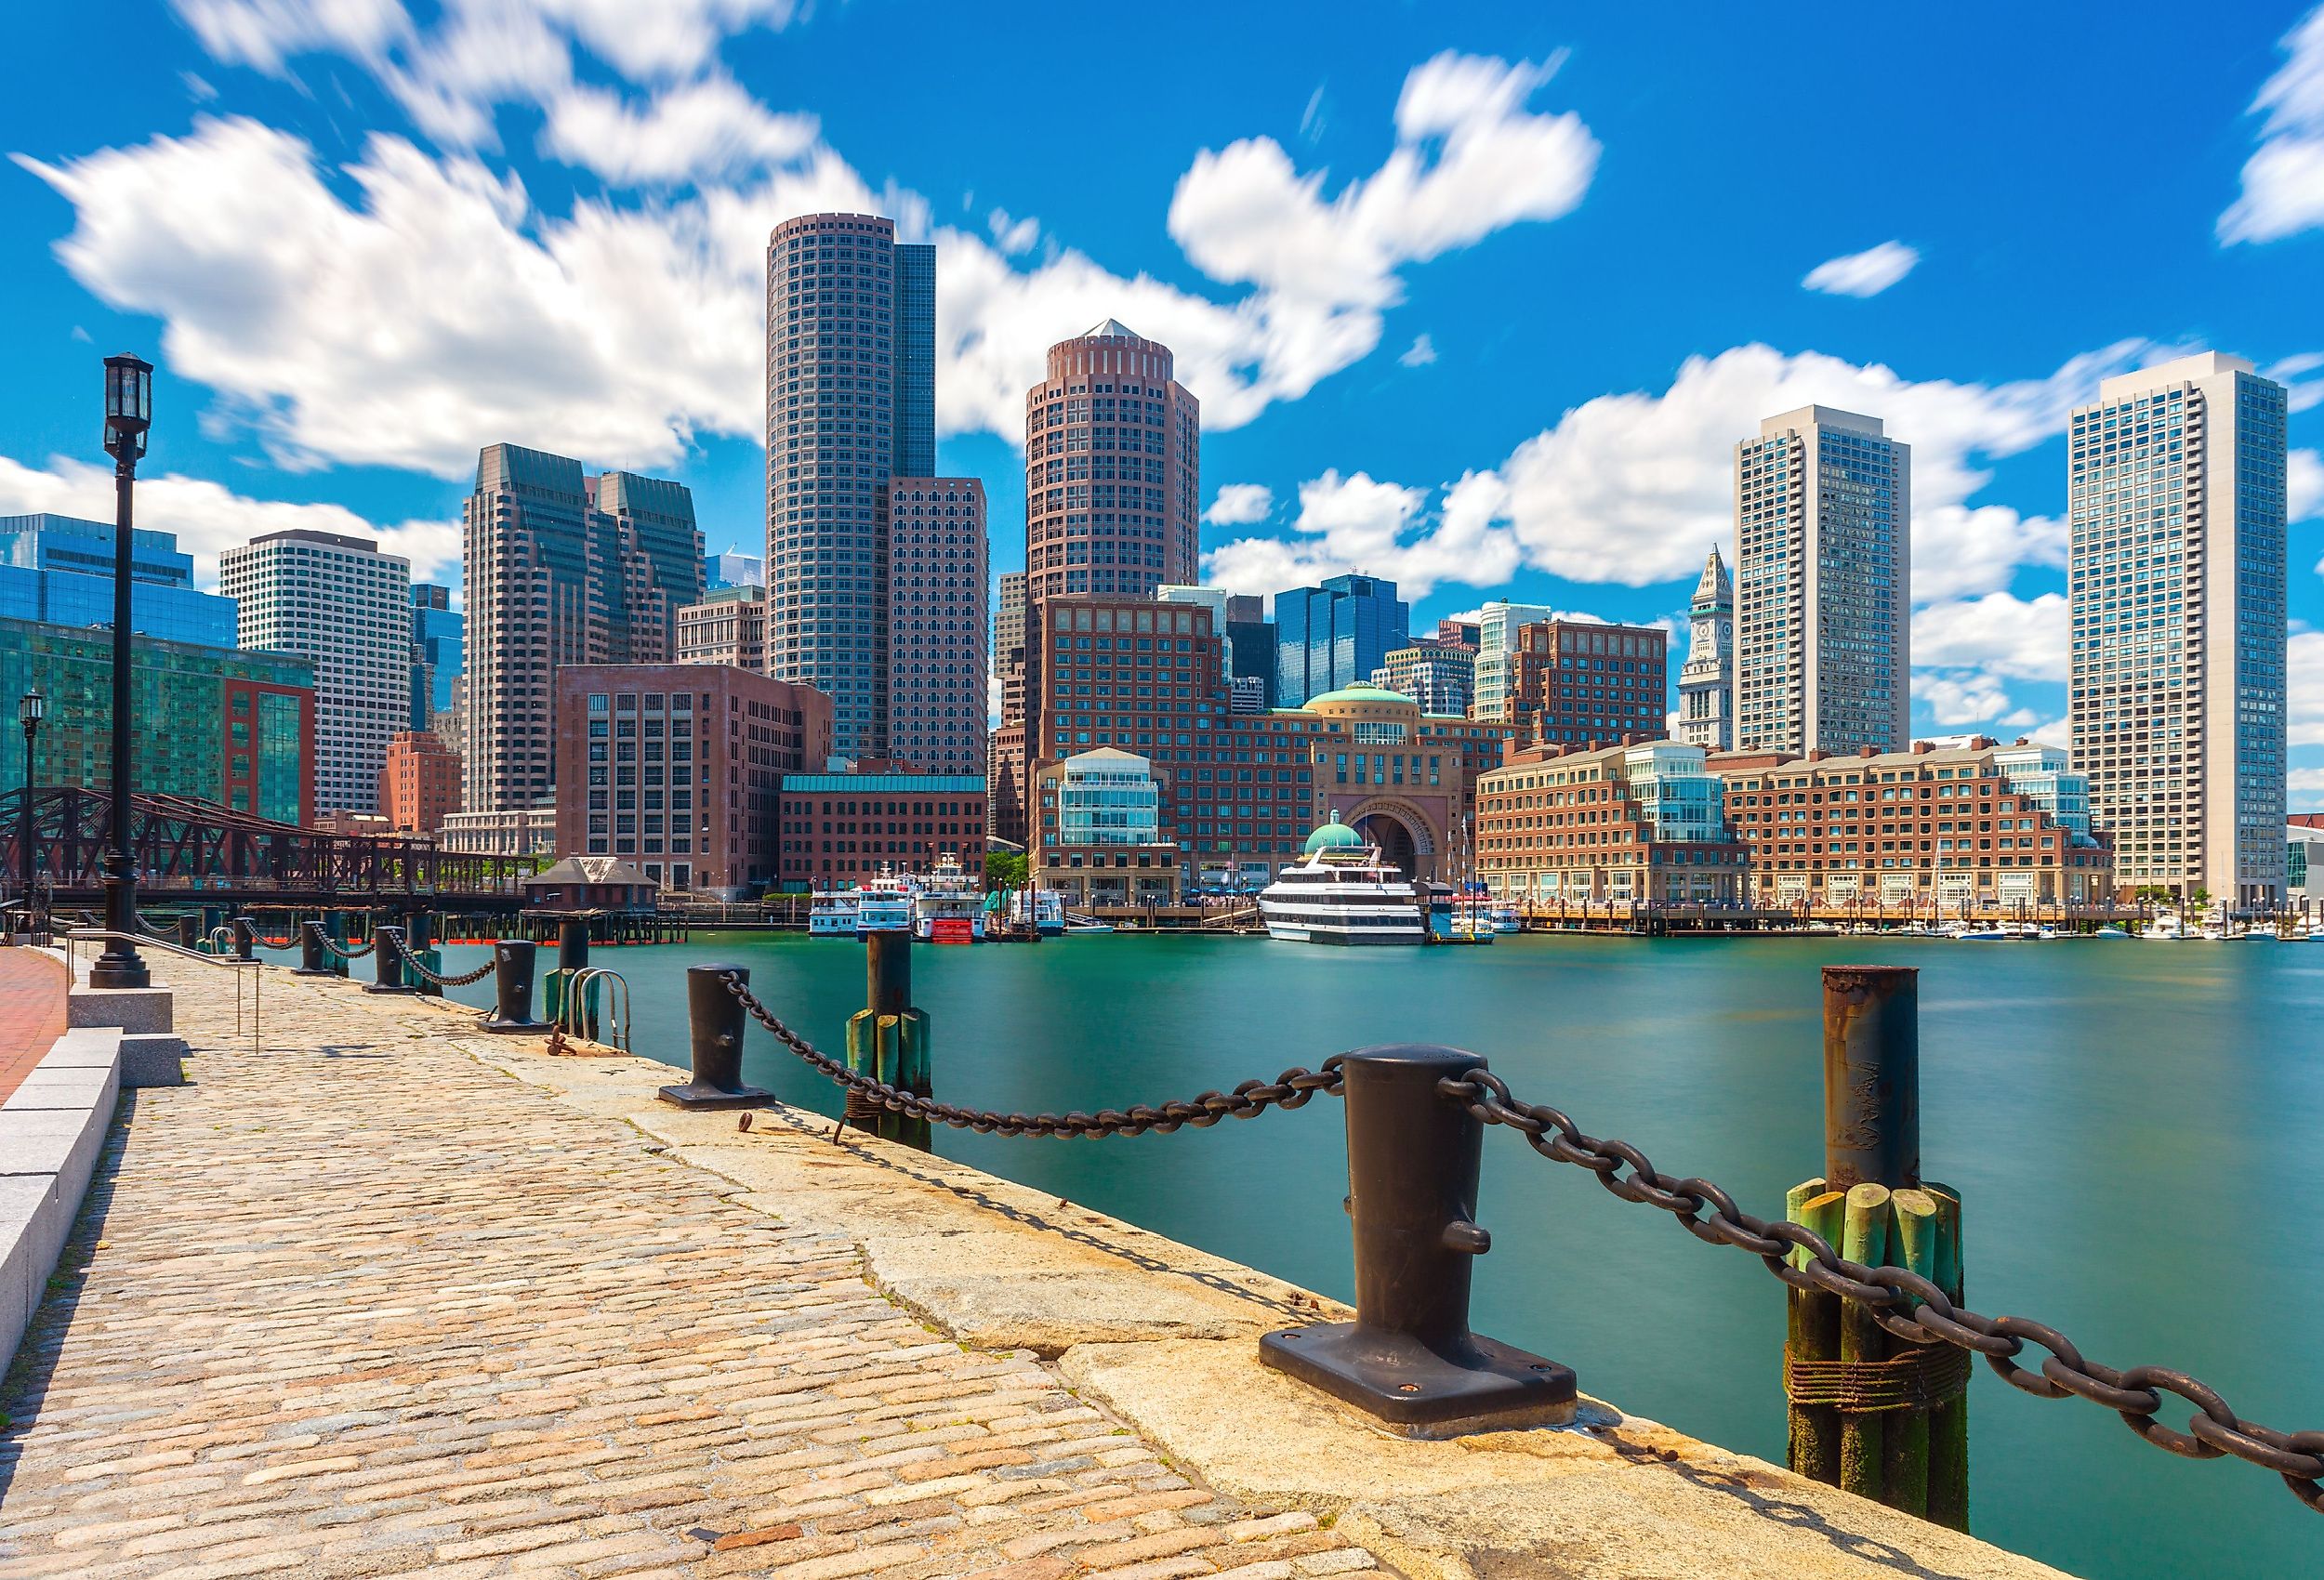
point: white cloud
(2000, 634)
(698, 129)
(2304, 676)
(265, 34)
(2283, 181)
(1422, 352)
(1240, 503)
(1629, 487)
(2303, 485)
(1867, 273)
(435, 308)
(1964, 698)
(1358, 524)
(207, 517)
(1013, 236)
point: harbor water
(2134, 1129)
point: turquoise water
(2134, 1129)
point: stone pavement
(361, 1304)
(32, 1011)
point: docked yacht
(948, 907)
(1044, 909)
(1341, 892)
(884, 905)
(832, 914)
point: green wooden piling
(1812, 1334)
(1914, 1223)
(1864, 1239)
(1948, 1422)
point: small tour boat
(947, 905)
(1342, 893)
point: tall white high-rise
(2175, 689)
(1707, 682)
(1823, 507)
(341, 604)
(1497, 625)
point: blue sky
(1474, 296)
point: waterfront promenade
(392, 1296)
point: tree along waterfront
(2130, 1122)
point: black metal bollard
(1408, 1359)
(714, 1025)
(311, 962)
(573, 942)
(189, 930)
(387, 959)
(246, 938)
(512, 987)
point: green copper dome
(1359, 693)
(1333, 836)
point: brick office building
(1573, 683)
(419, 784)
(1638, 825)
(1238, 792)
(839, 829)
(1947, 829)
(675, 766)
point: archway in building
(1397, 846)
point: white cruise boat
(833, 913)
(1043, 908)
(948, 907)
(884, 905)
(1342, 893)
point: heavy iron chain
(422, 971)
(1290, 1089)
(269, 942)
(1906, 1303)
(335, 948)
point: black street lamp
(29, 712)
(128, 413)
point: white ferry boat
(1342, 893)
(884, 905)
(948, 907)
(833, 913)
(1044, 908)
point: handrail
(227, 962)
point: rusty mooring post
(1409, 1359)
(890, 1041)
(1869, 1413)
(714, 1023)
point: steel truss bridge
(187, 850)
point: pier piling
(1869, 1412)
(890, 1040)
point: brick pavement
(360, 1305)
(32, 1011)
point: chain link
(1906, 1303)
(1290, 1089)
(412, 962)
(339, 950)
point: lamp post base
(116, 971)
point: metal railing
(222, 962)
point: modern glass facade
(438, 641)
(219, 724)
(1334, 635)
(2176, 569)
(59, 569)
(1106, 798)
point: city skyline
(1581, 467)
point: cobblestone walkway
(360, 1306)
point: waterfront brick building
(1639, 824)
(839, 829)
(1239, 793)
(419, 784)
(1575, 684)
(675, 766)
(1103, 807)
(1441, 676)
(728, 626)
(1938, 829)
